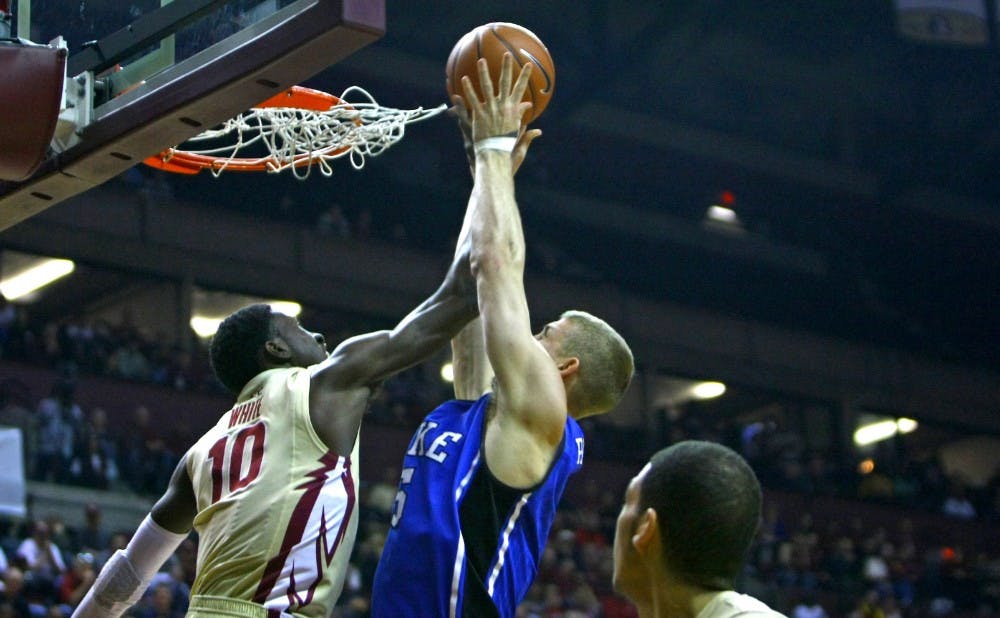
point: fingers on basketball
(492, 41)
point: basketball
(492, 41)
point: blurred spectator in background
(187, 561)
(933, 484)
(868, 606)
(129, 362)
(90, 466)
(333, 222)
(106, 442)
(159, 603)
(382, 495)
(15, 411)
(177, 371)
(12, 594)
(40, 554)
(59, 419)
(957, 503)
(119, 540)
(44, 564)
(146, 460)
(92, 537)
(77, 580)
(808, 607)
(8, 317)
(21, 340)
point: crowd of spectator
(62, 444)
(47, 568)
(802, 563)
(97, 347)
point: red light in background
(727, 198)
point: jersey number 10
(234, 463)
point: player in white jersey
(271, 488)
(683, 533)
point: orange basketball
(492, 41)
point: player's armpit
(472, 375)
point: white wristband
(503, 144)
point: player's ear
(568, 366)
(276, 350)
(646, 532)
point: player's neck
(677, 600)
(701, 600)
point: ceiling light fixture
(36, 277)
(708, 390)
(448, 372)
(883, 430)
(205, 326)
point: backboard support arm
(149, 29)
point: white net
(300, 139)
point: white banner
(962, 22)
(12, 485)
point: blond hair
(606, 363)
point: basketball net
(299, 128)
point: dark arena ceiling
(862, 163)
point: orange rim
(296, 97)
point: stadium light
(36, 277)
(883, 430)
(286, 307)
(708, 390)
(205, 326)
(722, 214)
(448, 372)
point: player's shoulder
(269, 378)
(464, 406)
(732, 604)
(573, 426)
(460, 414)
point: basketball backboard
(154, 90)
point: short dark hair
(606, 363)
(708, 502)
(236, 346)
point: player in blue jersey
(483, 474)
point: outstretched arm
(473, 375)
(366, 360)
(531, 399)
(470, 366)
(341, 385)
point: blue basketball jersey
(424, 564)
